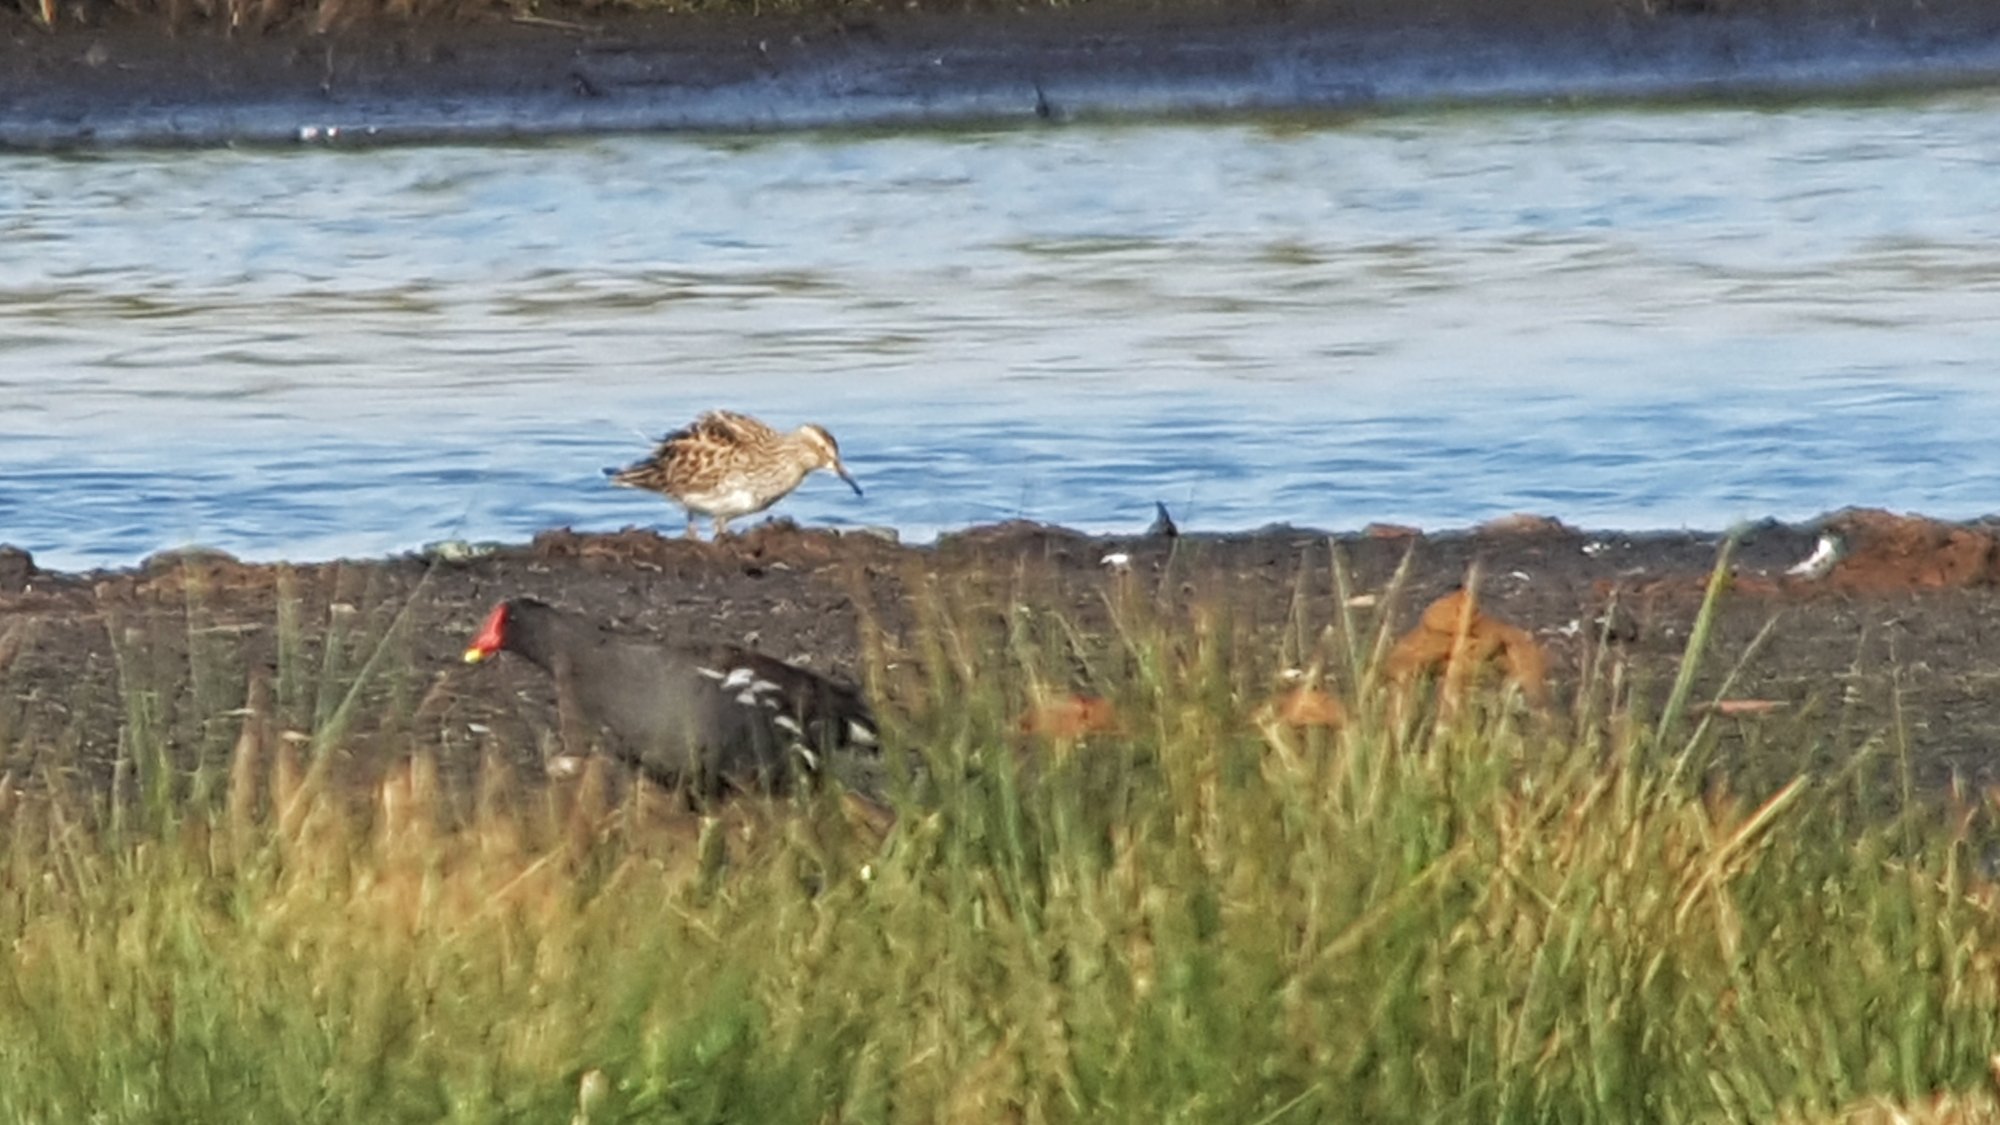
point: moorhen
(696, 716)
(726, 465)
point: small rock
(1068, 717)
(1524, 523)
(1879, 551)
(16, 568)
(1742, 708)
(174, 558)
(1821, 562)
(456, 550)
(1305, 706)
(885, 534)
(1452, 628)
(1616, 625)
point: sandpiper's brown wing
(726, 427)
(694, 450)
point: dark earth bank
(1890, 643)
(343, 72)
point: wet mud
(1891, 637)
(251, 73)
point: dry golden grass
(1489, 916)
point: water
(1623, 318)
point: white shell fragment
(1819, 564)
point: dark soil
(344, 73)
(1891, 645)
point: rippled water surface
(1625, 318)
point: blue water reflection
(1629, 318)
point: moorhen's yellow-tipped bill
(492, 636)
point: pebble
(16, 568)
(456, 550)
(191, 555)
(885, 534)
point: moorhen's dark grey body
(686, 715)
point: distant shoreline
(104, 77)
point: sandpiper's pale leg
(693, 532)
(721, 526)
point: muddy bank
(104, 77)
(1899, 625)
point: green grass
(1485, 916)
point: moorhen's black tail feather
(818, 714)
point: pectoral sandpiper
(726, 465)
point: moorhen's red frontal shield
(492, 636)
